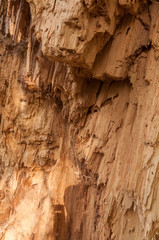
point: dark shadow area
(70, 219)
(60, 223)
(75, 200)
(21, 11)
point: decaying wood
(79, 114)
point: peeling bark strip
(79, 114)
(54, 5)
(29, 50)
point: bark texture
(79, 120)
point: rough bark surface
(79, 119)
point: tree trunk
(79, 120)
